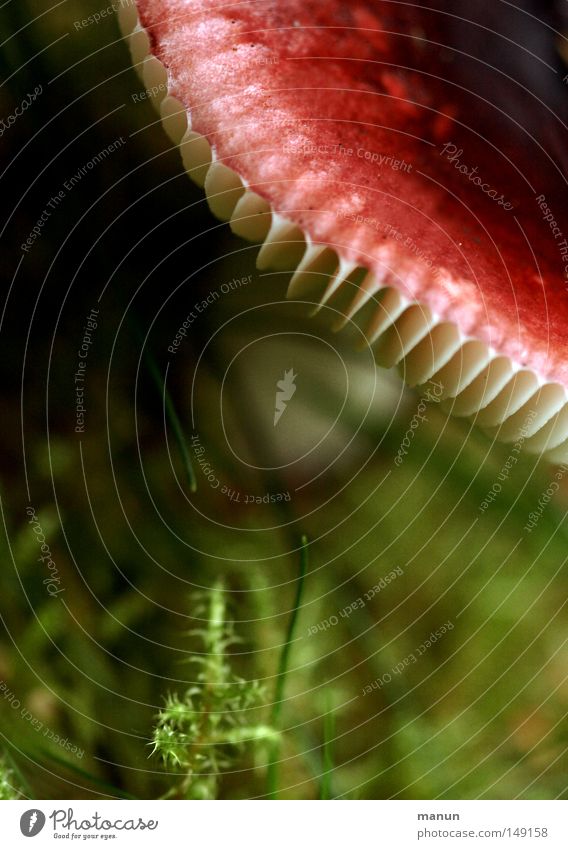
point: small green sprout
(203, 733)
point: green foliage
(8, 781)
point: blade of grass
(170, 412)
(328, 738)
(282, 674)
(173, 419)
(93, 779)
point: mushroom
(407, 163)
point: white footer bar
(287, 825)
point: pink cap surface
(343, 116)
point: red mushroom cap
(346, 128)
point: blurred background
(425, 655)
